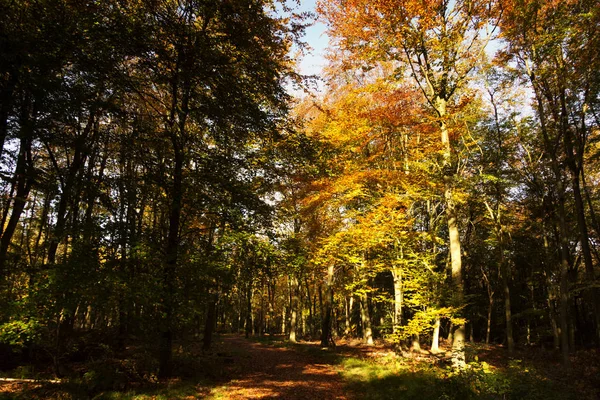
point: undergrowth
(422, 380)
(382, 375)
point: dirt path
(260, 371)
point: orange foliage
(376, 140)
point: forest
(184, 211)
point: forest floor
(273, 371)
(271, 367)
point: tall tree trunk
(68, 186)
(575, 164)
(326, 336)
(6, 208)
(123, 225)
(488, 331)
(261, 319)
(303, 320)
(311, 313)
(398, 297)
(349, 302)
(176, 131)
(38, 255)
(284, 317)
(210, 322)
(435, 341)
(592, 295)
(458, 343)
(249, 326)
(564, 272)
(366, 319)
(170, 265)
(591, 209)
(23, 178)
(6, 103)
(495, 214)
(505, 271)
(562, 226)
(269, 308)
(293, 309)
(416, 343)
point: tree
(550, 42)
(199, 86)
(440, 42)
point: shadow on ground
(272, 368)
(280, 371)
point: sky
(316, 37)
(313, 63)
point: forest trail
(262, 371)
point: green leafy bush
(18, 333)
(104, 376)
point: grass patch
(328, 355)
(271, 340)
(74, 391)
(405, 379)
(176, 390)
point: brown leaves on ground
(261, 371)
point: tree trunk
(24, 180)
(590, 205)
(261, 320)
(170, 265)
(249, 325)
(562, 225)
(122, 264)
(505, 270)
(471, 332)
(348, 309)
(210, 323)
(326, 336)
(311, 313)
(450, 337)
(564, 277)
(6, 103)
(488, 331)
(294, 309)
(435, 341)
(366, 319)
(284, 322)
(23, 177)
(458, 343)
(416, 343)
(6, 207)
(575, 164)
(397, 276)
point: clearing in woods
(261, 371)
(269, 367)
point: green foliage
(179, 390)
(103, 376)
(19, 333)
(145, 147)
(423, 322)
(407, 380)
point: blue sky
(313, 62)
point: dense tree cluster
(457, 182)
(137, 138)
(158, 181)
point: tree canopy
(159, 180)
